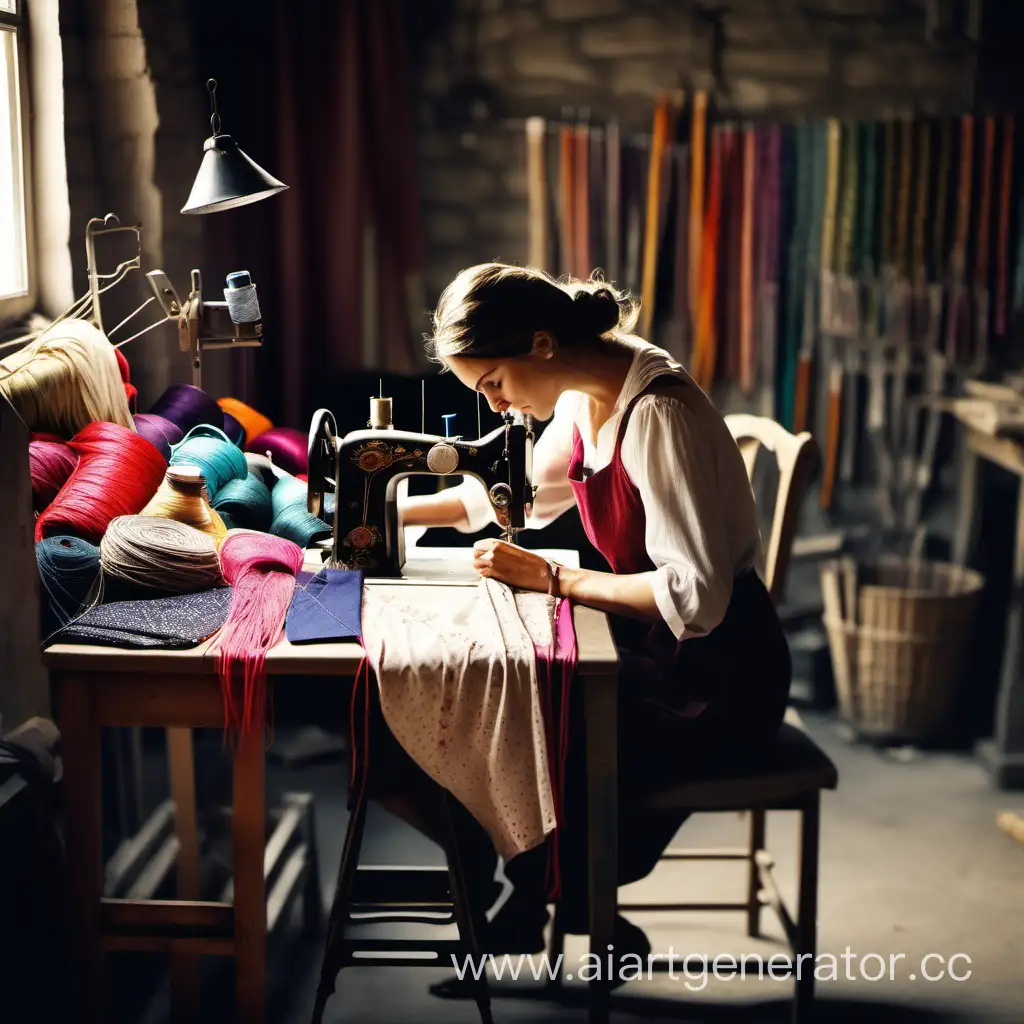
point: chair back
(797, 457)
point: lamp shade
(228, 178)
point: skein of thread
(182, 497)
(68, 568)
(117, 473)
(155, 554)
(50, 463)
(187, 406)
(234, 430)
(253, 423)
(130, 391)
(218, 460)
(292, 520)
(262, 570)
(245, 503)
(65, 379)
(161, 432)
(284, 446)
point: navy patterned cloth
(175, 622)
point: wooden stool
(400, 895)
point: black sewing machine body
(364, 467)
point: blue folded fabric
(326, 606)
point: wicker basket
(898, 632)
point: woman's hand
(510, 564)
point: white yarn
(66, 378)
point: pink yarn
(50, 464)
(286, 446)
(262, 569)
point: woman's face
(523, 383)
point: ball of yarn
(117, 473)
(234, 430)
(284, 446)
(187, 406)
(65, 379)
(218, 460)
(50, 463)
(292, 520)
(161, 432)
(68, 568)
(254, 423)
(156, 554)
(245, 503)
(182, 497)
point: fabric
(698, 536)
(326, 607)
(459, 692)
(179, 621)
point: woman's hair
(494, 310)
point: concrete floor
(912, 864)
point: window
(15, 268)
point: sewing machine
(364, 467)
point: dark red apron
(740, 670)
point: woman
(663, 494)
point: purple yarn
(234, 430)
(160, 432)
(187, 406)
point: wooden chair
(797, 770)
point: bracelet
(554, 569)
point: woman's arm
(467, 506)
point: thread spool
(234, 430)
(50, 465)
(160, 432)
(292, 520)
(187, 406)
(245, 503)
(242, 301)
(254, 423)
(380, 414)
(209, 449)
(118, 472)
(182, 497)
(68, 570)
(285, 447)
(66, 379)
(151, 554)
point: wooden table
(1003, 755)
(95, 687)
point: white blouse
(701, 521)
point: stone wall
(758, 58)
(134, 130)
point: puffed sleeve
(551, 455)
(686, 532)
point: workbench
(94, 687)
(1003, 755)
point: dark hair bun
(597, 311)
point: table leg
(600, 696)
(80, 740)
(966, 525)
(185, 976)
(248, 825)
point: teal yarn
(208, 448)
(245, 503)
(291, 518)
(68, 568)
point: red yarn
(262, 569)
(129, 388)
(118, 472)
(50, 463)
